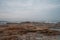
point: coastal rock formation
(15, 31)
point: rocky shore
(16, 31)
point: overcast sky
(30, 10)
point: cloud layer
(36, 10)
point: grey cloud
(47, 10)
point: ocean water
(57, 29)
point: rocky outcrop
(16, 30)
